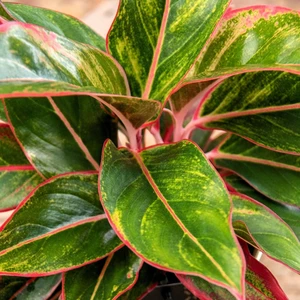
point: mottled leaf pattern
(260, 284)
(63, 213)
(270, 233)
(291, 215)
(274, 174)
(167, 188)
(261, 106)
(249, 39)
(157, 41)
(31, 53)
(56, 22)
(104, 280)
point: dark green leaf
(147, 280)
(274, 174)
(63, 213)
(179, 210)
(104, 280)
(17, 176)
(270, 233)
(291, 215)
(10, 285)
(37, 289)
(59, 134)
(263, 107)
(80, 283)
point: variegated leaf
(251, 39)
(54, 21)
(291, 215)
(157, 41)
(274, 174)
(103, 280)
(262, 106)
(63, 213)
(166, 189)
(256, 223)
(260, 284)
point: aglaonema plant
(217, 89)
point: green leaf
(250, 39)
(147, 280)
(63, 139)
(260, 284)
(33, 54)
(10, 285)
(17, 176)
(291, 215)
(158, 41)
(57, 22)
(38, 288)
(64, 213)
(203, 289)
(166, 188)
(58, 134)
(5, 13)
(270, 233)
(274, 174)
(262, 106)
(80, 283)
(103, 281)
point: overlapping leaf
(103, 280)
(179, 210)
(58, 134)
(62, 214)
(262, 106)
(38, 288)
(57, 22)
(260, 284)
(17, 176)
(256, 223)
(291, 215)
(147, 280)
(274, 174)
(260, 37)
(157, 41)
(189, 96)
(29, 52)
(10, 285)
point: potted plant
(218, 89)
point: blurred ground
(99, 15)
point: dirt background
(99, 15)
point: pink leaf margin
(127, 243)
(88, 220)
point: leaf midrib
(177, 220)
